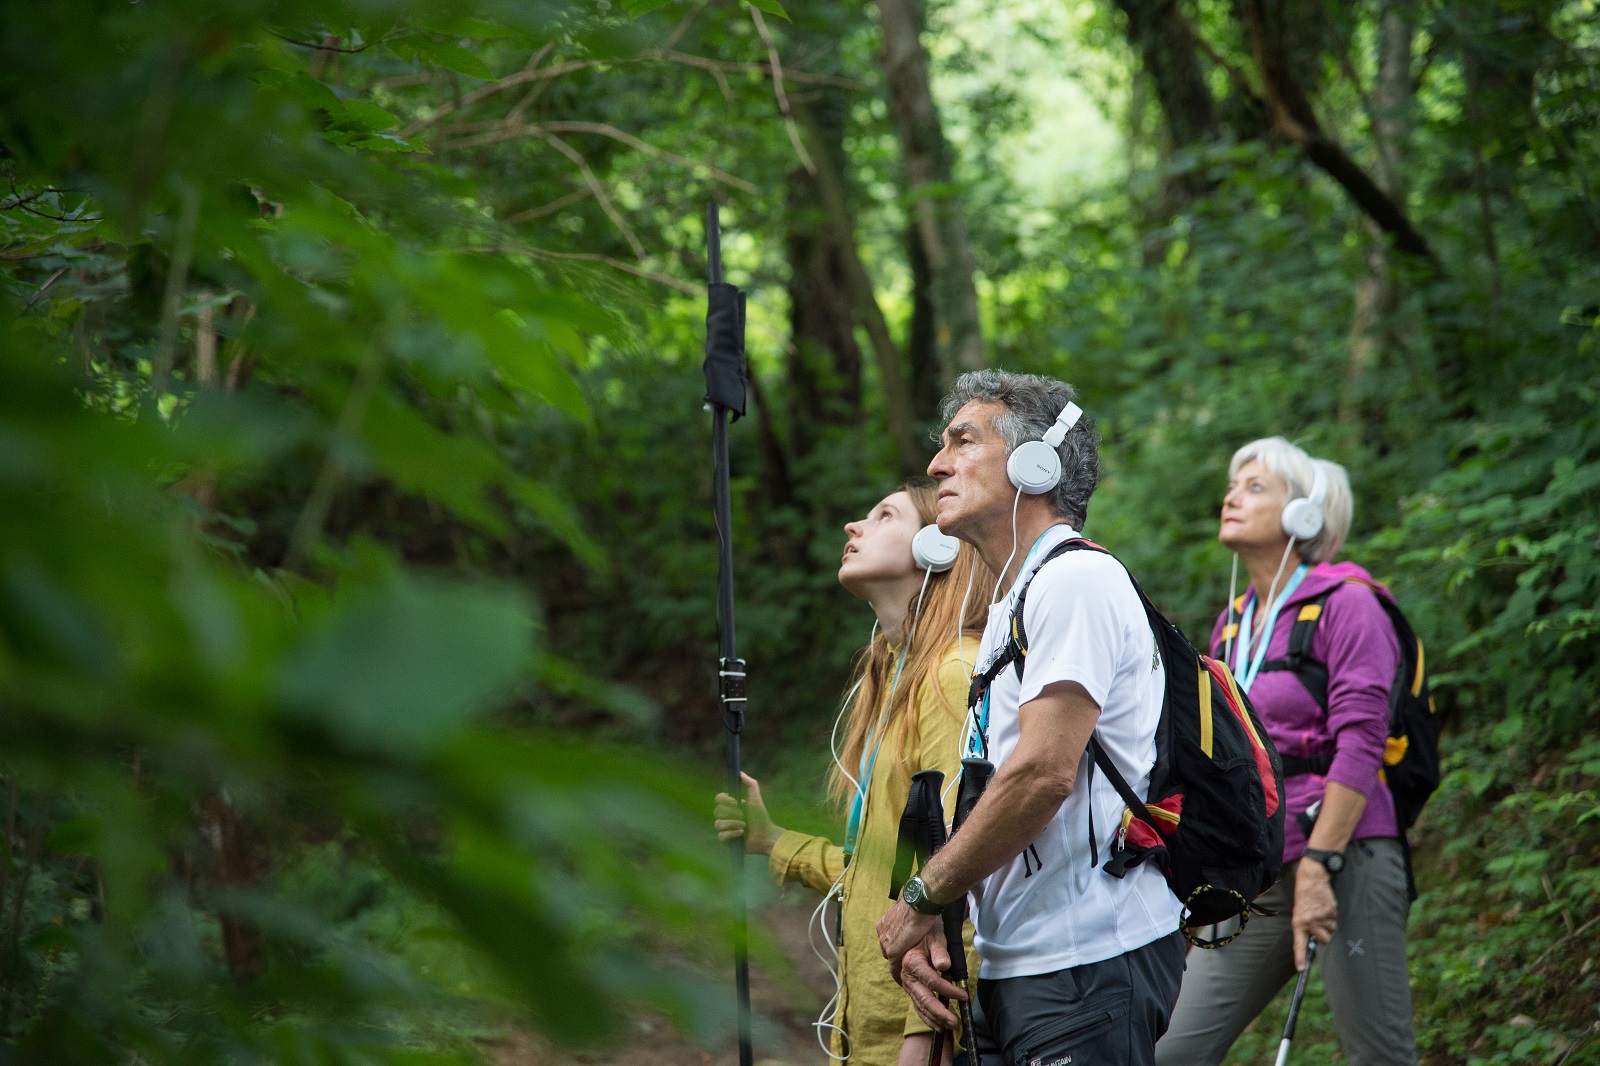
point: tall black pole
(724, 369)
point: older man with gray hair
(1078, 966)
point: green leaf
(400, 668)
(363, 114)
(475, 28)
(771, 7)
(78, 834)
(529, 364)
(445, 54)
(451, 468)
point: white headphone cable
(916, 614)
(961, 619)
(844, 705)
(833, 737)
(1272, 589)
(1227, 632)
(819, 919)
(1001, 576)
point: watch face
(915, 896)
(1334, 863)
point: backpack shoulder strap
(1014, 652)
(1413, 657)
(1305, 628)
(1312, 673)
(1019, 633)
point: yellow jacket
(872, 1009)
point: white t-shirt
(1048, 909)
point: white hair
(1298, 471)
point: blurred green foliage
(354, 490)
(262, 799)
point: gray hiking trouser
(1363, 968)
(1108, 1012)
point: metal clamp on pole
(731, 680)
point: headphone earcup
(1302, 519)
(1034, 467)
(934, 551)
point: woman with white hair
(1345, 881)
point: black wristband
(1332, 861)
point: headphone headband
(1319, 484)
(1302, 516)
(1034, 466)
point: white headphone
(1035, 466)
(934, 551)
(1302, 517)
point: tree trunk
(1268, 24)
(824, 365)
(1375, 297)
(930, 182)
(1160, 37)
(891, 375)
(235, 865)
(922, 355)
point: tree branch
(521, 106)
(599, 190)
(314, 46)
(1295, 120)
(483, 92)
(547, 209)
(777, 88)
(627, 268)
(500, 131)
(722, 66)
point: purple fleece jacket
(1356, 641)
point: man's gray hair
(1031, 403)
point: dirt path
(786, 1003)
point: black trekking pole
(724, 370)
(922, 834)
(1294, 1004)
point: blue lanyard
(975, 740)
(869, 760)
(1245, 668)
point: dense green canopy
(356, 564)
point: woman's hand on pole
(749, 819)
(1316, 912)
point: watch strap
(1332, 861)
(915, 895)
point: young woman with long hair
(904, 714)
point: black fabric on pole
(725, 360)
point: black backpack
(1411, 755)
(1213, 820)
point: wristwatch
(915, 896)
(1332, 860)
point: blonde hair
(1298, 471)
(930, 643)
